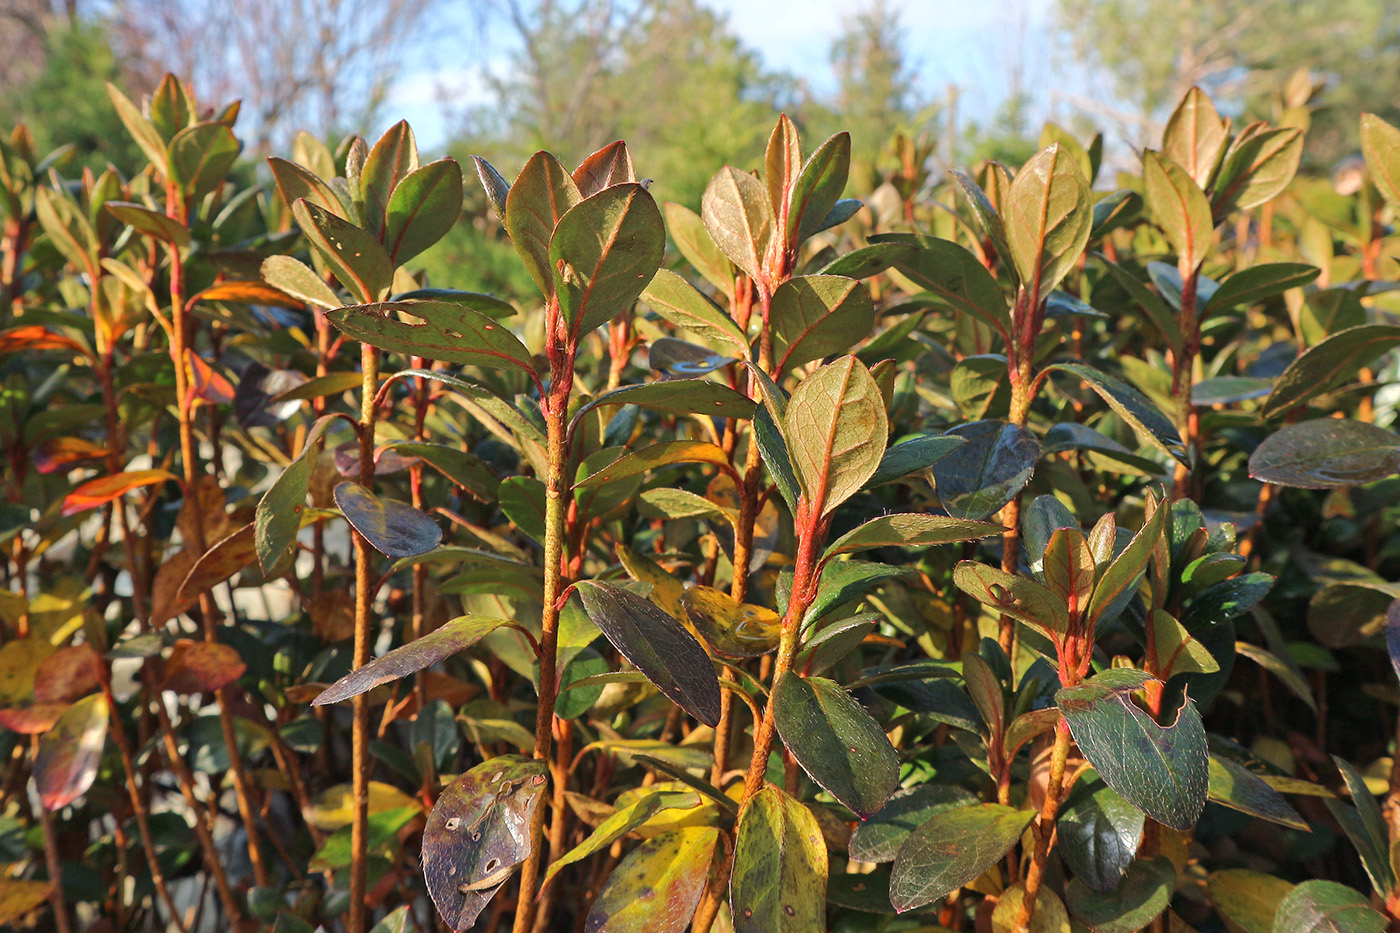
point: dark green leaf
(952, 849)
(914, 456)
(356, 258)
(977, 479)
(658, 645)
(1326, 453)
(448, 332)
(1161, 770)
(1256, 283)
(836, 741)
(1319, 906)
(1133, 905)
(423, 208)
(816, 316)
(818, 188)
(541, 195)
(878, 838)
(1098, 834)
(844, 580)
(149, 222)
(955, 278)
(603, 253)
(1329, 364)
(393, 528)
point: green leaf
(816, 316)
(1247, 900)
(423, 208)
(541, 195)
(295, 181)
(844, 580)
(603, 253)
(1161, 770)
(1132, 406)
(356, 258)
(657, 886)
(679, 396)
(739, 217)
(836, 741)
(1099, 833)
(494, 184)
(878, 838)
(909, 530)
(390, 161)
(478, 832)
(1365, 826)
(489, 305)
(680, 360)
(658, 645)
(657, 455)
(679, 302)
(68, 229)
(867, 261)
(1121, 577)
(200, 158)
(977, 479)
(1330, 363)
(1195, 136)
(1257, 167)
(1235, 786)
(1180, 208)
(140, 128)
(778, 884)
(465, 470)
(1021, 598)
(914, 456)
(452, 638)
(818, 187)
(623, 822)
(693, 240)
(1380, 144)
(1326, 453)
(297, 279)
(1068, 569)
(384, 826)
(1257, 283)
(1145, 892)
(1049, 212)
(987, 216)
(448, 332)
(836, 427)
(1227, 390)
(149, 222)
(1178, 651)
(955, 278)
(278, 516)
(393, 528)
(1157, 311)
(952, 849)
(1319, 906)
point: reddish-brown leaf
(57, 452)
(66, 762)
(100, 491)
(201, 667)
(220, 562)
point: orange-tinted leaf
(165, 601)
(249, 293)
(220, 562)
(18, 898)
(36, 337)
(201, 667)
(57, 452)
(100, 491)
(68, 674)
(66, 762)
(207, 383)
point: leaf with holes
(836, 741)
(658, 645)
(393, 528)
(478, 832)
(446, 331)
(778, 884)
(603, 254)
(360, 264)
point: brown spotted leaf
(658, 884)
(478, 833)
(778, 883)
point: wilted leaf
(657, 886)
(733, 629)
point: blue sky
(949, 41)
